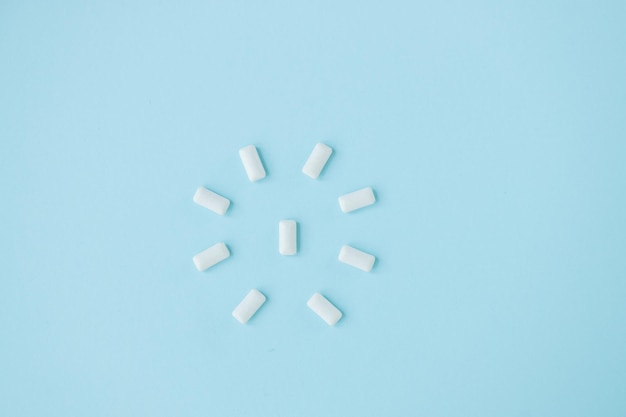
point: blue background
(493, 132)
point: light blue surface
(494, 134)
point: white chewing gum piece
(317, 160)
(249, 306)
(287, 237)
(324, 308)
(356, 258)
(357, 199)
(252, 163)
(211, 256)
(211, 200)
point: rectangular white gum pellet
(356, 258)
(248, 306)
(317, 160)
(211, 256)
(287, 237)
(252, 163)
(211, 200)
(324, 308)
(357, 199)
